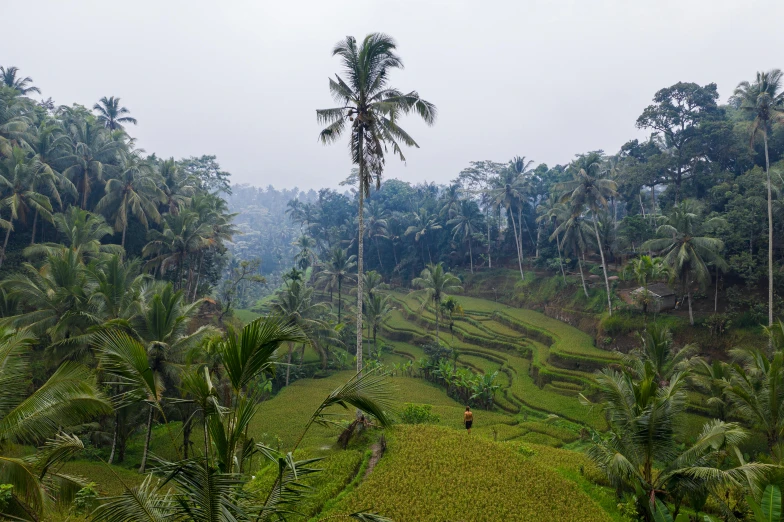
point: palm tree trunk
(560, 261)
(143, 467)
(437, 309)
(582, 277)
(691, 313)
(361, 251)
(538, 236)
(198, 277)
(770, 234)
(470, 254)
(122, 242)
(5, 243)
(716, 293)
(378, 251)
(340, 300)
(604, 265)
(35, 221)
(114, 438)
(517, 243)
(288, 364)
(489, 243)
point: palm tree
(134, 190)
(370, 109)
(640, 454)
(377, 222)
(111, 115)
(295, 302)
(69, 397)
(176, 186)
(554, 212)
(575, 240)
(588, 191)
(377, 307)
(657, 349)
(764, 101)
(436, 284)
(89, 148)
(20, 180)
(20, 85)
(508, 192)
(14, 120)
(466, 222)
(424, 225)
(684, 251)
(184, 235)
(163, 328)
(336, 270)
(81, 231)
(644, 270)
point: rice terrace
(253, 269)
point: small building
(660, 297)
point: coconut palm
(336, 270)
(640, 454)
(658, 350)
(69, 397)
(295, 302)
(377, 307)
(81, 231)
(21, 178)
(21, 85)
(587, 190)
(176, 185)
(763, 100)
(509, 192)
(14, 120)
(437, 284)
(111, 115)
(574, 232)
(369, 109)
(184, 236)
(425, 224)
(685, 251)
(552, 211)
(89, 147)
(133, 191)
(466, 222)
(377, 222)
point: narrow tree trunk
(35, 222)
(604, 265)
(517, 244)
(122, 241)
(716, 293)
(288, 363)
(198, 277)
(360, 263)
(143, 467)
(438, 343)
(186, 437)
(691, 314)
(770, 234)
(470, 254)
(5, 243)
(489, 242)
(582, 277)
(340, 301)
(538, 236)
(378, 251)
(114, 438)
(560, 261)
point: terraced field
(544, 364)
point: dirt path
(377, 450)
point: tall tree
(111, 115)
(89, 147)
(466, 222)
(589, 191)
(763, 100)
(437, 284)
(685, 251)
(370, 109)
(336, 270)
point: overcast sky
(242, 80)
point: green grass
(433, 474)
(110, 479)
(245, 316)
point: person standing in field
(468, 419)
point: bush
(418, 414)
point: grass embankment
(433, 474)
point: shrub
(418, 414)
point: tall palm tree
(424, 224)
(466, 222)
(176, 185)
(370, 109)
(574, 233)
(111, 115)
(587, 190)
(437, 284)
(763, 100)
(685, 251)
(336, 270)
(553, 212)
(89, 148)
(21, 85)
(20, 180)
(377, 223)
(184, 236)
(134, 190)
(69, 397)
(14, 120)
(509, 192)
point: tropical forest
(600, 340)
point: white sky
(242, 80)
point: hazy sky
(242, 80)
